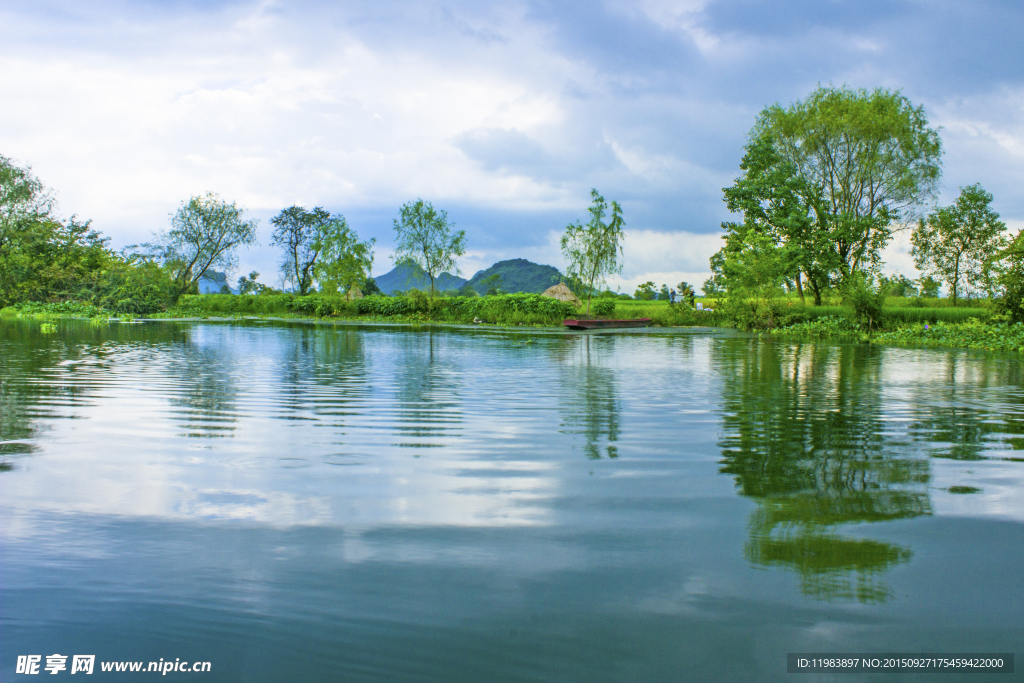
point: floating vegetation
(963, 489)
(973, 334)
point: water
(292, 502)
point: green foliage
(47, 260)
(972, 333)
(898, 285)
(425, 237)
(1011, 279)
(247, 284)
(864, 299)
(205, 233)
(929, 287)
(960, 243)
(594, 251)
(822, 327)
(517, 275)
(491, 284)
(645, 292)
(827, 177)
(60, 308)
(505, 309)
(713, 286)
(754, 272)
(300, 234)
(604, 307)
(345, 261)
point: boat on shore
(605, 324)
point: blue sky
(503, 114)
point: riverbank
(929, 327)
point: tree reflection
(804, 436)
(979, 408)
(428, 404)
(593, 406)
(50, 375)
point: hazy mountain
(403, 277)
(517, 275)
(212, 281)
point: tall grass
(895, 316)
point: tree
(205, 233)
(425, 237)
(898, 285)
(491, 284)
(645, 292)
(960, 242)
(300, 233)
(42, 257)
(663, 293)
(249, 285)
(754, 275)
(1011, 278)
(345, 260)
(929, 287)
(594, 251)
(830, 176)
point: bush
(864, 299)
(604, 306)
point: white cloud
(359, 108)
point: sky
(504, 115)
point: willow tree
(594, 251)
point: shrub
(604, 306)
(864, 299)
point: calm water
(299, 503)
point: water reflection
(427, 407)
(805, 435)
(591, 406)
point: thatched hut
(562, 293)
(353, 293)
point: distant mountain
(517, 275)
(212, 281)
(403, 277)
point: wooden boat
(605, 324)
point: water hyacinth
(972, 334)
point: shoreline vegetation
(818, 203)
(910, 321)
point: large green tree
(594, 251)
(832, 176)
(300, 234)
(426, 238)
(960, 242)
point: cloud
(504, 114)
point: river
(382, 503)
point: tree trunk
(815, 289)
(800, 288)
